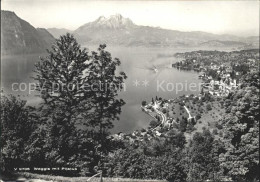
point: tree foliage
(62, 131)
(105, 106)
(18, 121)
(159, 158)
(241, 131)
(202, 157)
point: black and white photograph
(129, 91)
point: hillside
(217, 43)
(18, 36)
(57, 32)
(117, 30)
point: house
(158, 133)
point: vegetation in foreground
(26, 175)
(71, 127)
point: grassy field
(31, 177)
(209, 111)
(211, 116)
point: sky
(220, 17)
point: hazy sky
(233, 17)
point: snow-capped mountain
(120, 31)
(113, 22)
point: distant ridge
(218, 43)
(117, 30)
(57, 32)
(18, 36)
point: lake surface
(137, 63)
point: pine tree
(62, 81)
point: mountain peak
(117, 17)
(114, 22)
(8, 15)
(18, 36)
(101, 18)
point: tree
(106, 107)
(215, 131)
(202, 158)
(144, 103)
(164, 111)
(173, 168)
(183, 125)
(241, 132)
(153, 123)
(198, 116)
(63, 77)
(150, 159)
(175, 140)
(208, 106)
(18, 122)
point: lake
(143, 82)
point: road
(188, 112)
(164, 118)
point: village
(220, 73)
(186, 114)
